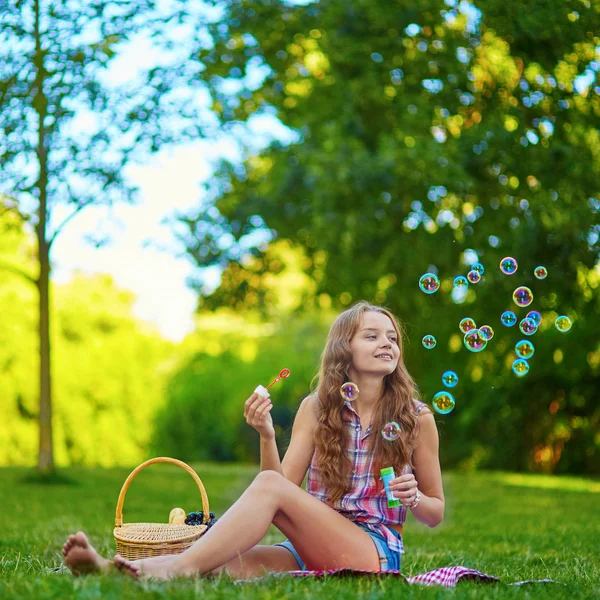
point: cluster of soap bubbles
(476, 338)
(473, 276)
(443, 402)
(475, 341)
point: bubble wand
(264, 391)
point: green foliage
(111, 375)
(109, 371)
(228, 356)
(467, 129)
(69, 130)
(513, 527)
(18, 428)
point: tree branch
(66, 220)
(17, 271)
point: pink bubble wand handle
(284, 373)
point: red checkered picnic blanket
(445, 576)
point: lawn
(515, 527)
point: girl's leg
(81, 557)
(323, 538)
(258, 561)
(255, 562)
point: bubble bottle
(387, 475)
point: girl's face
(374, 347)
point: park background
(341, 151)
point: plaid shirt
(365, 502)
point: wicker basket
(143, 540)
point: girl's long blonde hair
(395, 404)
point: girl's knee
(269, 479)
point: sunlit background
(230, 177)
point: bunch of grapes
(197, 518)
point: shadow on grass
(56, 478)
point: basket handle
(160, 459)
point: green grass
(515, 527)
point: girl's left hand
(404, 488)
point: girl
(343, 519)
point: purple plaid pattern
(446, 576)
(365, 502)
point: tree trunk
(46, 454)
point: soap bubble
(528, 326)
(563, 323)
(509, 265)
(479, 268)
(467, 324)
(534, 315)
(443, 402)
(520, 367)
(450, 379)
(524, 349)
(508, 318)
(429, 283)
(349, 391)
(473, 277)
(391, 431)
(461, 282)
(522, 296)
(429, 342)
(475, 341)
(540, 272)
(487, 332)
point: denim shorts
(388, 560)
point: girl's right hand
(257, 412)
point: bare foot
(81, 557)
(156, 567)
(126, 566)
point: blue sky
(143, 256)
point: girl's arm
(269, 455)
(299, 453)
(428, 474)
(302, 446)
